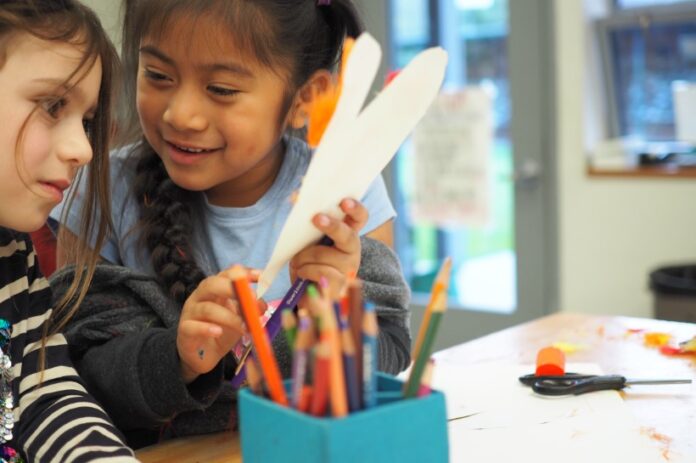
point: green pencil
(414, 379)
(289, 323)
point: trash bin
(674, 290)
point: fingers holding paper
(336, 261)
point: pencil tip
(443, 275)
(312, 291)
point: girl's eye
(54, 106)
(156, 76)
(88, 126)
(222, 91)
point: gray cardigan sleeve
(123, 344)
(384, 285)
(137, 379)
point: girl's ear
(320, 82)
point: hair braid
(167, 218)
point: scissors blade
(631, 382)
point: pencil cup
(397, 429)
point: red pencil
(320, 391)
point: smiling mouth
(186, 149)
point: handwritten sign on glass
(452, 160)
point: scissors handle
(567, 386)
(532, 378)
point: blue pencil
(369, 338)
(349, 366)
(300, 357)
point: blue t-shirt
(228, 235)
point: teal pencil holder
(397, 429)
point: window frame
(627, 17)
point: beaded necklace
(7, 453)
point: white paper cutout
(356, 146)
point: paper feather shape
(357, 145)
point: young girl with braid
(218, 86)
(56, 70)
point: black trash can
(674, 290)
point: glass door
(502, 266)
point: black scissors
(575, 383)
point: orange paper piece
(656, 339)
(550, 362)
(324, 105)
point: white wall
(109, 12)
(612, 232)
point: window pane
(411, 29)
(645, 3)
(646, 60)
(475, 34)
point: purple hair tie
(323, 2)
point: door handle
(527, 174)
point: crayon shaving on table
(663, 441)
(568, 347)
(656, 339)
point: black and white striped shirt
(56, 421)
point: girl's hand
(210, 325)
(333, 262)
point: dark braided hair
(294, 37)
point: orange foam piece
(550, 361)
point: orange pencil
(329, 331)
(259, 337)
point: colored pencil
(329, 330)
(305, 398)
(320, 392)
(369, 343)
(300, 358)
(273, 326)
(424, 388)
(289, 323)
(414, 379)
(259, 337)
(441, 284)
(314, 303)
(355, 319)
(349, 369)
(254, 378)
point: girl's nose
(73, 145)
(183, 112)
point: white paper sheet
(502, 420)
(356, 147)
